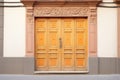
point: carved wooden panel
(53, 26)
(81, 43)
(40, 44)
(68, 44)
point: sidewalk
(60, 77)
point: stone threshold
(68, 72)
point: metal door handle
(60, 42)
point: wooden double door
(61, 44)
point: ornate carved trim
(118, 32)
(61, 11)
(93, 31)
(93, 15)
(30, 31)
(90, 12)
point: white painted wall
(14, 32)
(107, 32)
(12, 0)
(108, 0)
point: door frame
(87, 62)
(52, 10)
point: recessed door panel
(53, 44)
(68, 44)
(41, 44)
(81, 40)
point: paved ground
(60, 77)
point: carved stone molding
(89, 12)
(61, 11)
(93, 31)
(118, 32)
(93, 15)
(30, 31)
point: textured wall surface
(118, 32)
(17, 66)
(1, 29)
(26, 66)
(1, 34)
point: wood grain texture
(61, 44)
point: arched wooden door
(61, 44)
